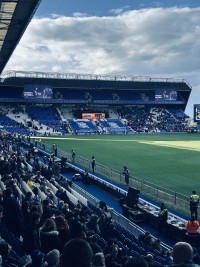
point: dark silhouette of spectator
(12, 213)
(63, 230)
(28, 233)
(94, 245)
(53, 258)
(93, 225)
(98, 260)
(111, 259)
(76, 229)
(156, 244)
(146, 238)
(49, 236)
(38, 258)
(49, 210)
(182, 254)
(111, 232)
(7, 258)
(76, 253)
(110, 243)
(150, 260)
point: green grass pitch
(171, 161)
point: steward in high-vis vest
(194, 202)
(162, 219)
(192, 226)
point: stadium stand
(107, 228)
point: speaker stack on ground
(130, 208)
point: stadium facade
(144, 90)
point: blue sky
(116, 37)
(104, 7)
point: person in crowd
(194, 202)
(76, 252)
(38, 258)
(76, 229)
(111, 232)
(111, 259)
(162, 220)
(156, 244)
(110, 243)
(49, 210)
(29, 231)
(63, 230)
(7, 258)
(98, 260)
(146, 238)
(94, 245)
(53, 258)
(93, 224)
(49, 236)
(183, 255)
(12, 213)
(149, 258)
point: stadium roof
(15, 16)
(92, 77)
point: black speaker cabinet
(132, 196)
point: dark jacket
(49, 240)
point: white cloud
(152, 42)
(118, 11)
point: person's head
(194, 192)
(182, 253)
(61, 223)
(192, 218)
(162, 205)
(77, 252)
(53, 258)
(149, 258)
(114, 250)
(98, 260)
